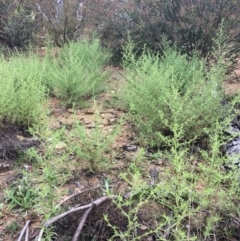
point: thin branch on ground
(74, 195)
(89, 206)
(27, 234)
(40, 235)
(81, 224)
(24, 230)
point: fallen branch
(40, 235)
(25, 228)
(94, 203)
(89, 207)
(27, 234)
(74, 195)
(80, 226)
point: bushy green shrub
(23, 99)
(77, 73)
(163, 93)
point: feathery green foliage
(173, 90)
(23, 100)
(77, 73)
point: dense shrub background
(188, 24)
(17, 24)
(24, 22)
(63, 21)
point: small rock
(127, 195)
(232, 130)
(149, 239)
(112, 121)
(90, 126)
(30, 139)
(188, 227)
(78, 184)
(130, 148)
(27, 167)
(143, 227)
(60, 146)
(89, 112)
(160, 163)
(4, 166)
(21, 138)
(70, 110)
(154, 175)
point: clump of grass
(77, 72)
(23, 99)
(13, 227)
(23, 195)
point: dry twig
(25, 229)
(80, 226)
(27, 234)
(89, 207)
(74, 195)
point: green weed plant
(194, 196)
(13, 227)
(93, 146)
(22, 195)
